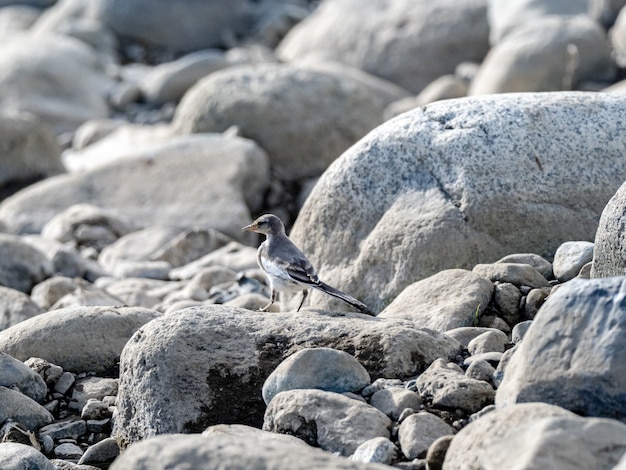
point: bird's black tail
(360, 306)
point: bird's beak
(249, 228)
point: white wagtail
(286, 267)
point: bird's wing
(294, 262)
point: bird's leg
(272, 300)
(305, 292)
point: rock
(19, 456)
(569, 259)
(419, 431)
(311, 415)
(538, 262)
(80, 339)
(560, 443)
(535, 435)
(92, 388)
(450, 299)
(534, 300)
(19, 408)
(136, 246)
(480, 370)
(29, 150)
(505, 17)
(186, 26)
(382, 90)
(617, 37)
(49, 372)
(443, 88)
(15, 307)
(421, 202)
(514, 273)
(295, 130)
(448, 387)
(442, 34)
(466, 334)
(68, 450)
(169, 81)
(65, 382)
(502, 364)
(21, 265)
(578, 328)
(103, 451)
(135, 187)
(394, 400)
(320, 368)
(55, 77)
(124, 141)
(437, 452)
(550, 54)
(609, 256)
(248, 347)
(507, 299)
(468, 447)
(216, 451)
(95, 409)
(15, 18)
(233, 256)
(86, 295)
(17, 375)
(243, 431)
(135, 292)
(519, 331)
(376, 450)
(489, 341)
(189, 245)
(605, 11)
(66, 259)
(86, 224)
(93, 131)
(67, 429)
(48, 292)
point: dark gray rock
(18, 407)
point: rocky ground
(486, 232)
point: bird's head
(265, 224)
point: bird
(287, 268)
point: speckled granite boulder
(414, 196)
(609, 254)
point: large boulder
(79, 339)
(535, 435)
(462, 182)
(394, 40)
(609, 251)
(206, 365)
(57, 78)
(550, 54)
(237, 452)
(574, 352)
(202, 180)
(182, 25)
(303, 118)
